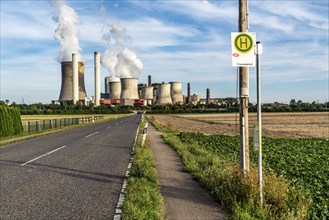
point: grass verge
(143, 199)
(235, 191)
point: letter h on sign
(243, 41)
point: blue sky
(187, 41)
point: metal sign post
(258, 129)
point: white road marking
(43, 155)
(91, 134)
(116, 123)
(109, 127)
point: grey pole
(258, 52)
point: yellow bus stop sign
(243, 44)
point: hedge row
(10, 121)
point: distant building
(195, 98)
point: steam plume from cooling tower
(120, 61)
(67, 31)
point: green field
(304, 162)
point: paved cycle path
(183, 197)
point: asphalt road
(76, 174)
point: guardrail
(42, 125)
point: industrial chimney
(176, 93)
(164, 96)
(97, 63)
(115, 90)
(66, 94)
(129, 91)
(149, 80)
(208, 97)
(188, 93)
(75, 78)
(106, 84)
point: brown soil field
(290, 125)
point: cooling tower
(156, 91)
(97, 63)
(129, 88)
(148, 92)
(115, 90)
(176, 93)
(67, 83)
(164, 96)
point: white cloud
(271, 23)
(300, 11)
(204, 10)
(152, 33)
(20, 21)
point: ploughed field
(290, 125)
(295, 146)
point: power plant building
(126, 92)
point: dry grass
(291, 125)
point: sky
(186, 41)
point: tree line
(48, 109)
(222, 105)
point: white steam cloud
(120, 61)
(67, 31)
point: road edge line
(118, 209)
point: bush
(10, 121)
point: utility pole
(244, 95)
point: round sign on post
(243, 43)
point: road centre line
(109, 126)
(50, 152)
(91, 134)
